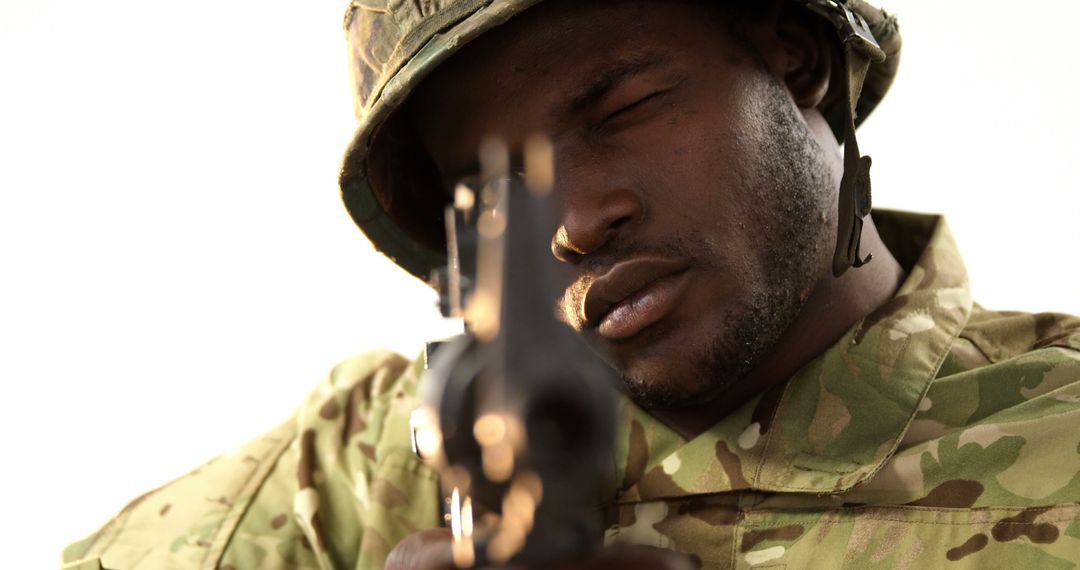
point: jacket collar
(842, 415)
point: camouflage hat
(386, 176)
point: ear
(799, 49)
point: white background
(176, 269)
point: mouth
(633, 295)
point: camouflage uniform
(934, 434)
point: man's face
(695, 203)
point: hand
(425, 550)
(430, 550)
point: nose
(593, 212)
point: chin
(681, 367)
(667, 381)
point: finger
(424, 550)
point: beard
(791, 179)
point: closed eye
(632, 106)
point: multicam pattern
(336, 486)
(935, 434)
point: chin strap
(860, 51)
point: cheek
(698, 172)
(692, 168)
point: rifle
(518, 413)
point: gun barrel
(524, 408)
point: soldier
(807, 385)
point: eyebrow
(607, 80)
(591, 93)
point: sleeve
(336, 486)
(186, 523)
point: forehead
(544, 55)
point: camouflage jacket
(935, 434)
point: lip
(632, 295)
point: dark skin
(699, 150)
